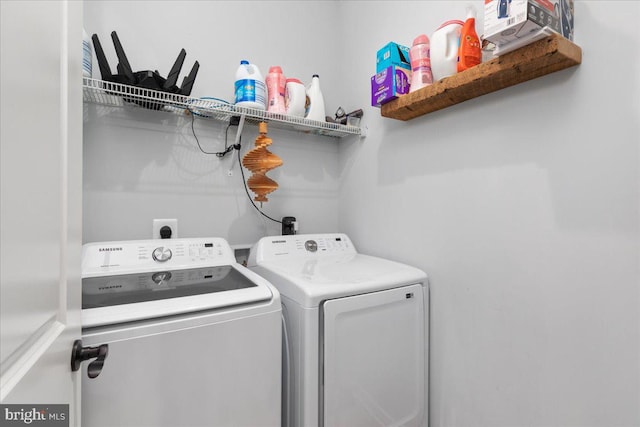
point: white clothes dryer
(356, 333)
(191, 337)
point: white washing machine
(193, 338)
(356, 341)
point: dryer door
(374, 353)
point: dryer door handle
(79, 354)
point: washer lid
(135, 296)
(311, 280)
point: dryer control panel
(301, 245)
(157, 254)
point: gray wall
(522, 206)
(141, 165)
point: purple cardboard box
(389, 84)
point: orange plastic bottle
(469, 51)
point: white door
(41, 205)
(375, 359)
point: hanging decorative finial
(259, 160)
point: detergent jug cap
(292, 80)
(315, 75)
(275, 69)
(421, 39)
(471, 11)
(243, 62)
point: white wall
(141, 165)
(523, 207)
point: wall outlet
(159, 223)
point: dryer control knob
(311, 245)
(161, 254)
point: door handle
(79, 354)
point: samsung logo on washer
(109, 249)
(278, 241)
(105, 288)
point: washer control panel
(139, 255)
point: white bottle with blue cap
(250, 90)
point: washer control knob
(161, 254)
(311, 245)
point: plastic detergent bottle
(420, 63)
(276, 84)
(470, 50)
(250, 88)
(316, 101)
(295, 98)
(444, 49)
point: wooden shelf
(543, 57)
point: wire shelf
(118, 95)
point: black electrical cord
(193, 130)
(227, 148)
(244, 181)
(221, 154)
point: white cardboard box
(507, 21)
